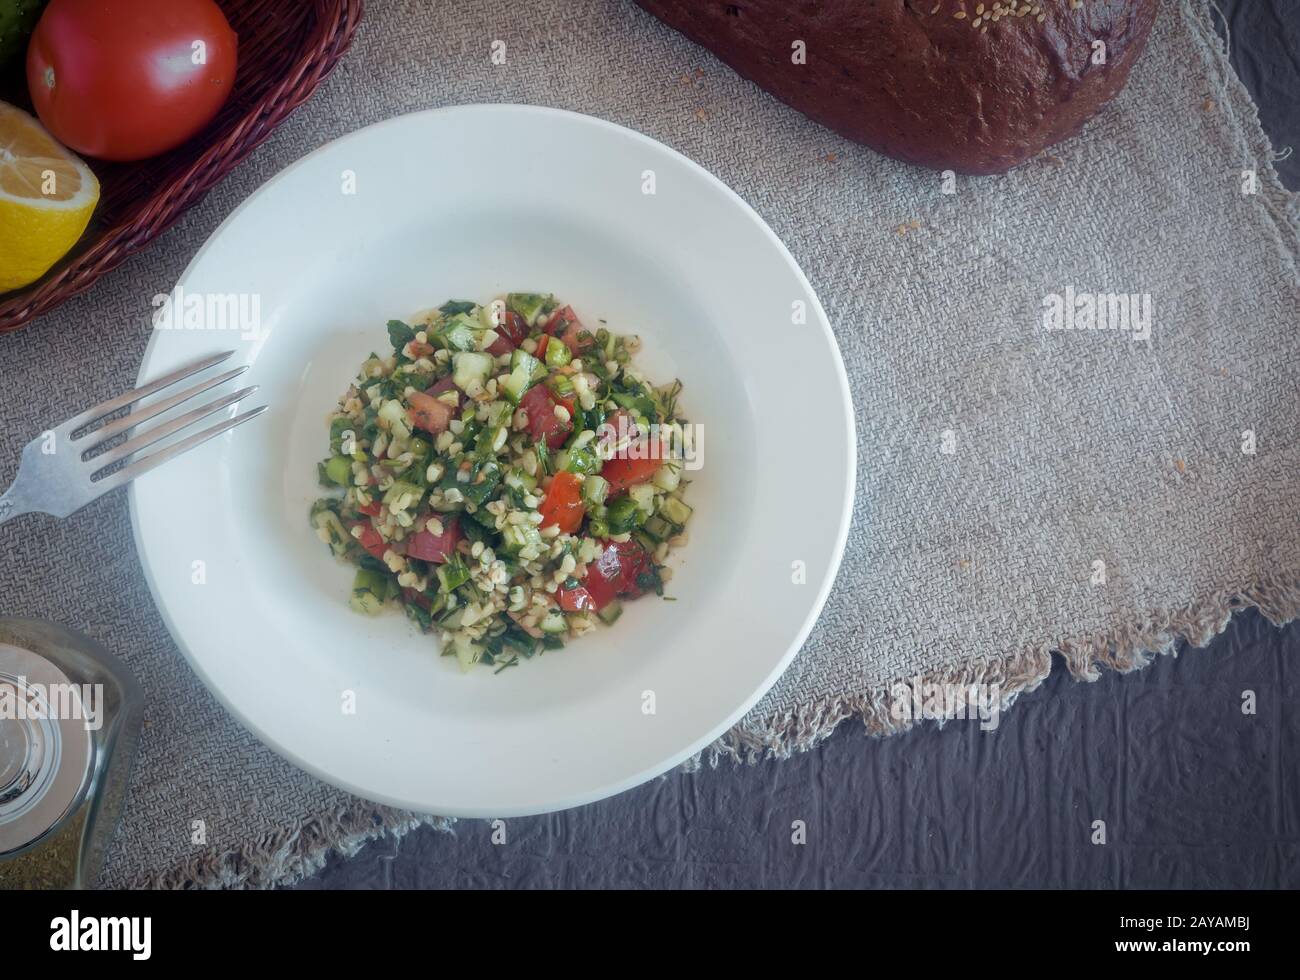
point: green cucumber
(644, 495)
(516, 537)
(468, 367)
(468, 653)
(668, 476)
(611, 612)
(595, 488)
(672, 509)
(553, 622)
(339, 470)
(582, 461)
(413, 493)
(659, 529)
(525, 371)
(453, 573)
(623, 515)
(369, 590)
(557, 353)
(529, 305)
(460, 333)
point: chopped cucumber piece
(560, 384)
(468, 367)
(594, 490)
(322, 518)
(611, 612)
(453, 573)
(644, 495)
(369, 590)
(468, 653)
(460, 333)
(499, 413)
(518, 479)
(582, 461)
(516, 537)
(403, 496)
(659, 529)
(553, 622)
(644, 540)
(394, 413)
(668, 476)
(339, 470)
(672, 509)
(529, 305)
(525, 371)
(623, 515)
(557, 353)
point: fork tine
(115, 428)
(128, 473)
(105, 460)
(133, 396)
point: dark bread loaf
(951, 84)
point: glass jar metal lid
(45, 747)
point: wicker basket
(286, 49)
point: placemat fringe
(287, 857)
(889, 709)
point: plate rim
(793, 648)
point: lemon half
(47, 196)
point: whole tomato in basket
(129, 79)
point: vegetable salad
(506, 475)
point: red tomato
(125, 81)
(615, 572)
(371, 541)
(562, 505)
(428, 546)
(634, 463)
(564, 323)
(540, 353)
(428, 413)
(510, 334)
(372, 509)
(419, 598)
(543, 424)
(576, 600)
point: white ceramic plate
(471, 202)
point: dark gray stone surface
(1193, 791)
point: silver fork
(54, 476)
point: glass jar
(69, 722)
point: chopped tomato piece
(562, 505)
(371, 541)
(442, 384)
(428, 413)
(564, 323)
(419, 598)
(540, 353)
(371, 509)
(576, 599)
(543, 424)
(428, 546)
(514, 327)
(510, 334)
(420, 350)
(634, 463)
(615, 572)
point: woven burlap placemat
(1021, 489)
